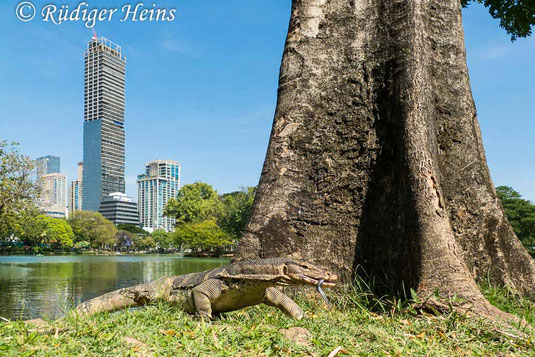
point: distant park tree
(166, 240)
(82, 245)
(145, 242)
(133, 229)
(202, 236)
(521, 215)
(126, 240)
(94, 228)
(44, 230)
(236, 211)
(376, 162)
(60, 233)
(133, 237)
(17, 191)
(34, 231)
(196, 210)
(196, 202)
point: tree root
(474, 307)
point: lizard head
(300, 272)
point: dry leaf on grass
(134, 342)
(338, 350)
(169, 332)
(298, 335)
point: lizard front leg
(203, 295)
(274, 297)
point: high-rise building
(75, 191)
(46, 165)
(120, 209)
(104, 135)
(53, 200)
(160, 183)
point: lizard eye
(285, 270)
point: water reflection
(32, 287)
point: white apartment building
(156, 187)
(53, 200)
(75, 191)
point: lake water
(33, 286)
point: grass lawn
(360, 325)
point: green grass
(360, 323)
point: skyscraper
(104, 135)
(46, 165)
(53, 190)
(75, 191)
(160, 183)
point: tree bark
(376, 158)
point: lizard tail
(138, 295)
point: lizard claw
(204, 317)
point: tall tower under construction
(104, 134)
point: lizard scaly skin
(228, 288)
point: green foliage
(133, 229)
(166, 240)
(236, 211)
(17, 192)
(93, 227)
(34, 230)
(202, 236)
(517, 17)
(46, 230)
(507, 193)
(125, 239)
(145, 242)
(195, 203)
(206, 221)
(521, 215)
(133, 241)
(82, 245)
(60, 232)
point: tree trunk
(376, 157)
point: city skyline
(204, 92)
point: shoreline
(107, 253)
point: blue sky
(202, 89)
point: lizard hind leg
(277, 299)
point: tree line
(521, 214)
(205, 220)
